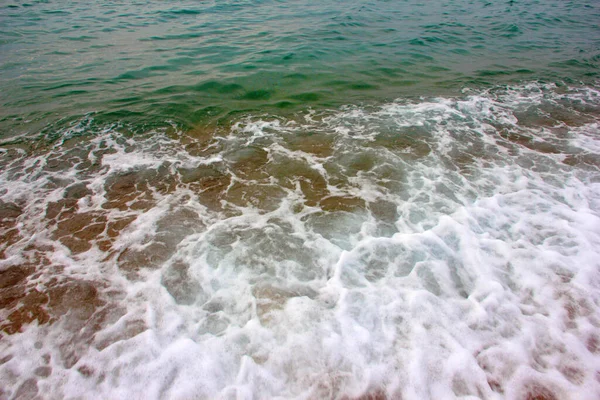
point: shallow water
(265, 200)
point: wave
(431, 248)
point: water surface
(270, 199)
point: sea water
(271, 199)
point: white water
(465, 264)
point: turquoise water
(299, 200)
(192, 62)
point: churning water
(270, 199)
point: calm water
(270, 199)
(193, 62)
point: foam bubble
(437, 248)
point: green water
(194, 63)
(299, 199)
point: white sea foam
(445, 248)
